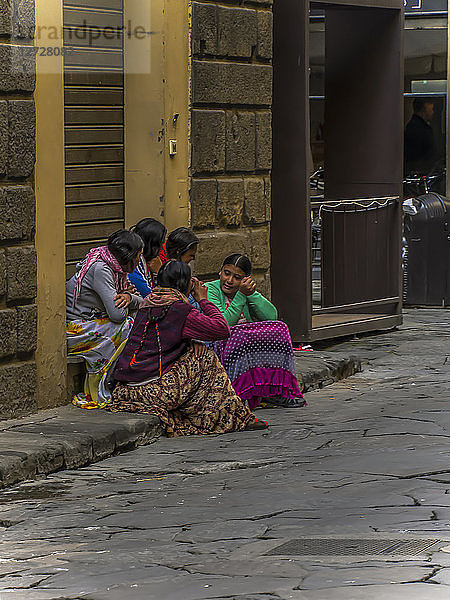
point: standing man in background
(420, 145)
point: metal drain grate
(355, 547)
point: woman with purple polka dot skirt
(258, 357)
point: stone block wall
(231, 133)
(18, 311)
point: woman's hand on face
(122, 300)
(248, 286)
(199, 290)
(199, 349)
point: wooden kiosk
(362, 213)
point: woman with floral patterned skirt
(98, 306)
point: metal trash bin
(426, 261)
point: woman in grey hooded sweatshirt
(99, 303)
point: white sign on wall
(425, 6)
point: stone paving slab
(197, 518)
(413, 591)
(69, 438)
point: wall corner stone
(208, 141)
(2, 273)
(241, 141)
(21, 273)
(265, 34)
(4, 136)
(203, 203)
(27, 328)
(22, 138)
(17, 213)
(8, 337)
(17, 389)
(260, 248)
(230, 202)
(256, 201)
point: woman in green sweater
(258, 356)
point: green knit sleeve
(261, 309)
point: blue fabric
(193, 302)
(139, 280)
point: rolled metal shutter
(93, 124)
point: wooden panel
(75, 233)
(374, 323)
(94, 193)
(77, 251)
(93, 135)
(366, 307)
(92, 18)
(89, 155)
(78, 57)
(290, 227)
(356, 257)
(96, 116)
(75, 213)
(340, 319)
(94, 174)
(104, 4)
(93, 78)
(107, 97)
(80, 38)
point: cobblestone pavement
(194, 518)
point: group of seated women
(156, 340)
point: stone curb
(318, 369)
(69, 438)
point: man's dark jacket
(420, 150)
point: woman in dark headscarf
(160, 372)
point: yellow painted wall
(50, 213)
(156, 185)
(157, 111)
(144, 112)
(176, 102)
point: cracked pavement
(193, 518)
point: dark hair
(153, 234)
(175, 274)
(240, 261)
(179, 242)
(419, 104)
(125, 246)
